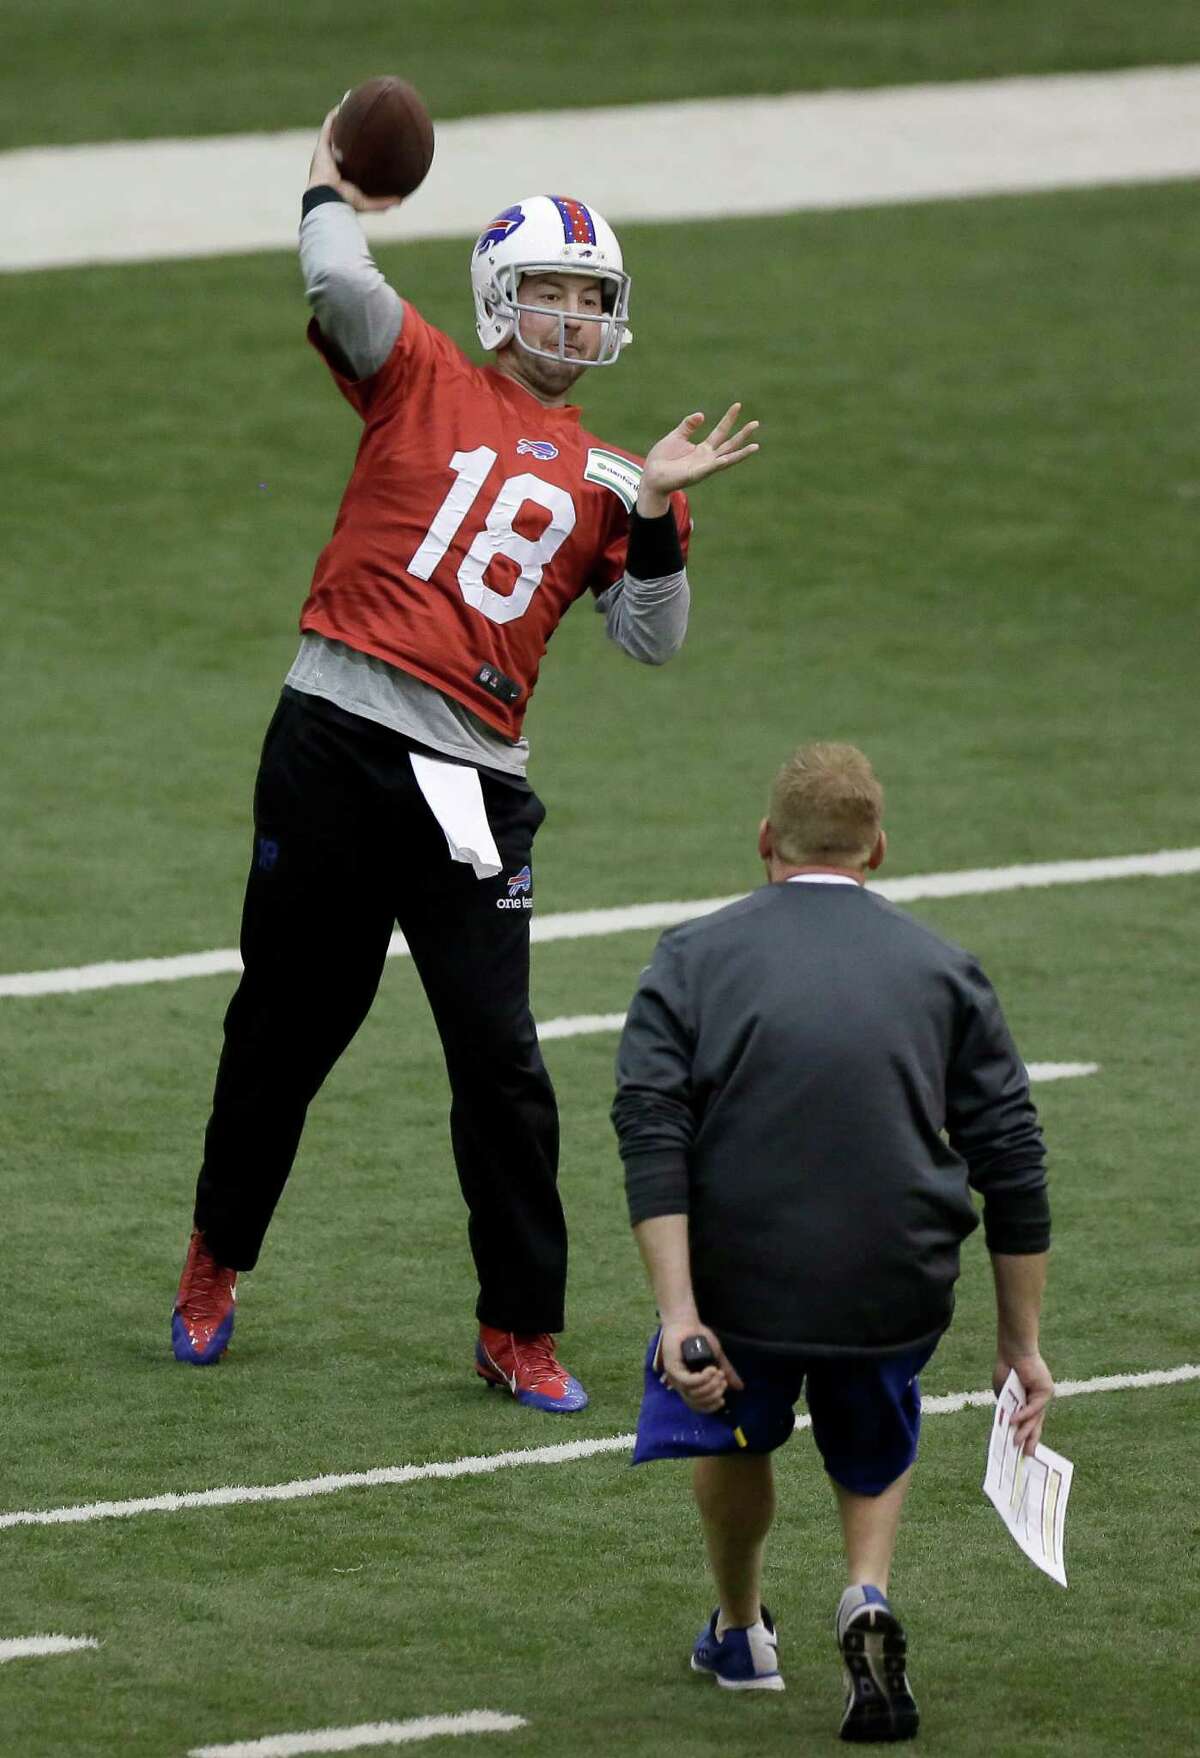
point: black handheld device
(697, 1355)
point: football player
(392, 782)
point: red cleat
(202, 1322)
(527, 1367)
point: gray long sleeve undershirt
(356, 308)
(362, 316)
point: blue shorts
(866, 1413)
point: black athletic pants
(345, 847)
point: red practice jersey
(473, 518)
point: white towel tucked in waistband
(454, 796)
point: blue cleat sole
(575, 1399)
(184, 1350)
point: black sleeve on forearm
(652, 1112)
(654, 547)
(1017, 1223)
(656, 1183)
(312, 198)
(992, 1123)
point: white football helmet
(561, 236)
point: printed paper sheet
(1029, 1492)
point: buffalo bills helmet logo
(538, 448)
(522, 881)
(502, 227)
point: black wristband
(654, 547)
(314, 197)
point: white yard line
(586, 924)
(582, 1025)
(482, 1464)
(951, 1402)
(579, 1025)
(26, 1647)
(132, 201)
(368, 1733)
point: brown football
(383, 138)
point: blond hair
(826, 807)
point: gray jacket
(817, 1080)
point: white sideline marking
(950, 1402)
(482, 1464)
(301, 1488)
(586, 924)
(686, 160)
(18, 1647)
(368, 1733)
(582, 1025)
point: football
(383, 138)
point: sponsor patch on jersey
(610, 470)
(539, 448)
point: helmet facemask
(613, 318)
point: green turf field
(352, 1352)
(968, 544)
(78, 71)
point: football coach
(809, 1086)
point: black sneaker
(879, 1704)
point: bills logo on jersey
(521, 881)
(539, 448)
(502, 227)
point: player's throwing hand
(323, 173)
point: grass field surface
(968, 545)
(567, 1594)
(76, 71)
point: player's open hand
(323, 172)
(682, 457)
